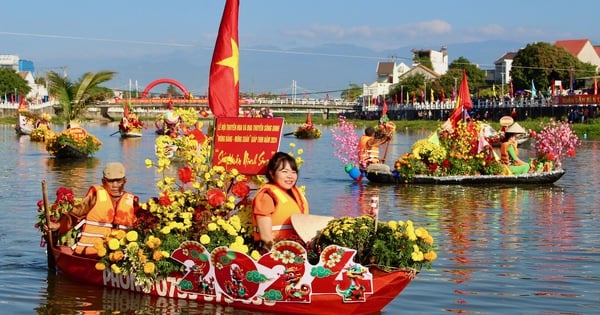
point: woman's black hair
(278, 161)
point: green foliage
(544, 62)
(11, 80)
(73, 97)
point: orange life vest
(367, 154)
(505, 157)
(102, 219)
(285, 206)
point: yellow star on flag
(232, 61)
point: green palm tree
(73, 97)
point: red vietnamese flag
(385, 108)
(223, 86)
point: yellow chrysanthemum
(132, 236)
(100, 266)
(116, 269)
(149, 267)
(114, 244)
(204, 239)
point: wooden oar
(49, 239)
(288, 134)
(114, 133)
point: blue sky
(48, 31)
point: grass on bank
(590, 130)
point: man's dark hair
(370, 131)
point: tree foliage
(11, 80)
(543, 63)
(352, 92)
(73, 97)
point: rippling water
(502, 249)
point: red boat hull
(386, 286)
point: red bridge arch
(154, 83)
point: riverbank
(589, 130)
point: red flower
(240, 189)
(215, 197)
(551, 157)
(446, 163)
(40, 204)
(164, 199)
(433, 167)
(185, 174)
(571, 153)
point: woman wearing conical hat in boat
(509, 154)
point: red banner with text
(246, 144)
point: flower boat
(381, 173)
(204, 250)
(130, 125)
(285, 287)
(459, 153)
(25, 123)
(74, 142)
(463, 156)
(307, 130)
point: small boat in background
(25, 123)
(130, 126)
(307, 130)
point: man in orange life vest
(104, 208)
(368, 148)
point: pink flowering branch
(345, 142)
(556, 141)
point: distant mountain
(316, 70)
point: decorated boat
(272, 284)
(130, 125)
(458, 153)
(74, 142)
(381, 173)
(25, 123)
(307, 130)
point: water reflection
(94, 300)
(528, 249)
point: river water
(502, 249)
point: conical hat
(308, 225)
(515, 128)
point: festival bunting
(223, 87)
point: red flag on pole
(385, 108)
(463, 93)
(223, 86)
(595, 85)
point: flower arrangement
(307, 131)
(84, 143)
(556, 141)
(65, 200)
(41, 133)
(345, 142)
(460, 151)
(130, 122)
(390, 245)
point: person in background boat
(105, 208)
(368, 148)
(509, 154)
(276, 201)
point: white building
(390, 73)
